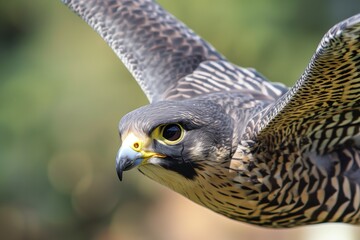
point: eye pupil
(172, 132)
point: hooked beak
(126, 159)
(131, 154)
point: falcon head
(173, 142)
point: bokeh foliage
(63, 91)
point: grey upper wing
(322, 111)
(223, 76)
(167, 59)
(156, 48)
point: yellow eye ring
(169, 134)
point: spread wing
(223, 76)
(164, 55)
(322, 111)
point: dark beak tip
(119, 171)
(120, 176)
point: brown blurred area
(63, 91)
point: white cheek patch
(196, 149)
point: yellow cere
(138, 145)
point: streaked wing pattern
(155, 47)
(223, 76)
(327, 96)
(167, 59)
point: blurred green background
(63, 91)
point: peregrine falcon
(227, 138)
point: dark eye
(172, 132)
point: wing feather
(323, 108)
(222, 76)
(155, 47)
(167, 59)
